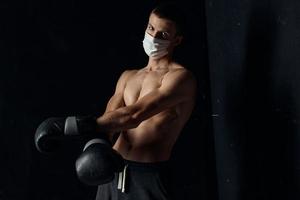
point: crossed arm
(177, 87)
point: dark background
(61, 58)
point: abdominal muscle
(152, 140)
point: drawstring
(122, 179)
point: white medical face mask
(155, 48)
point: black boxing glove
(98, 163)
(53, 131)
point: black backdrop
(254, 72)
(61, 58)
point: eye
(150, 27)
(165, 35)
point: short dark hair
(172, 12)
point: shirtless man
(151, 105)
(147, 112)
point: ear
(178, 40)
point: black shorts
(138, 181)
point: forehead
(161, 23)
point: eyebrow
(160, 30)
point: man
(143, 120)
(150, 107)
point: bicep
(116, 101)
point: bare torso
(153, 139)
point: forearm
(117, 120)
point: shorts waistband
(147, 166)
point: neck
(161, 63)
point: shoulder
(180, 81)
(127, 74)
(181, 75)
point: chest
(141, 84)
